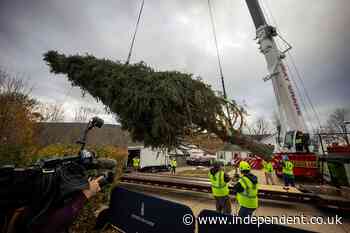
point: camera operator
(58, 219)
(48, 196)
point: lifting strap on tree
(134, 35)
(219, 61)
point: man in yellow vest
(268, 170)
(173, 165)
(299, 142)
(287, 170)
(219, 186)
(136, 163)
(246, 191)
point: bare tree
(51, 112)
(17, 119)
(82, 114)
(260, 127)
(276, 120)
(336, 121)
(13, 84)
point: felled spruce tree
(161, 109)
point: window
(222, 155)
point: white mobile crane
(293, 128)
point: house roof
(231, 147)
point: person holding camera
(48, 195)
(58, 219)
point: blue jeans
(288, 180)
(245, 212)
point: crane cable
(217, 48)
(135, 32)
(219, 60)
(298, 74)
(305, 90)
(302, 100)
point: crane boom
(295, 138)
(290, 113)
(256, 13)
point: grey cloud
(176, 35)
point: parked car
(204, 160)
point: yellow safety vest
(136, 162)
(249, 197)
(219, 187)
(298, 141)
(288, 168)
(268, 168)
(173, 163)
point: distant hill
(68, 133)
(109, 134)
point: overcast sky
(176, 35)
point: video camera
(85, 158)
(51, 181)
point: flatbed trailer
(272, 192)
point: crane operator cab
(297, 141)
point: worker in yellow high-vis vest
(299, 142)
(268, 170)
(136, 163)
(173, 165)
(288, 173)
(246, 191)
(219, 186)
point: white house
(228, 151)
